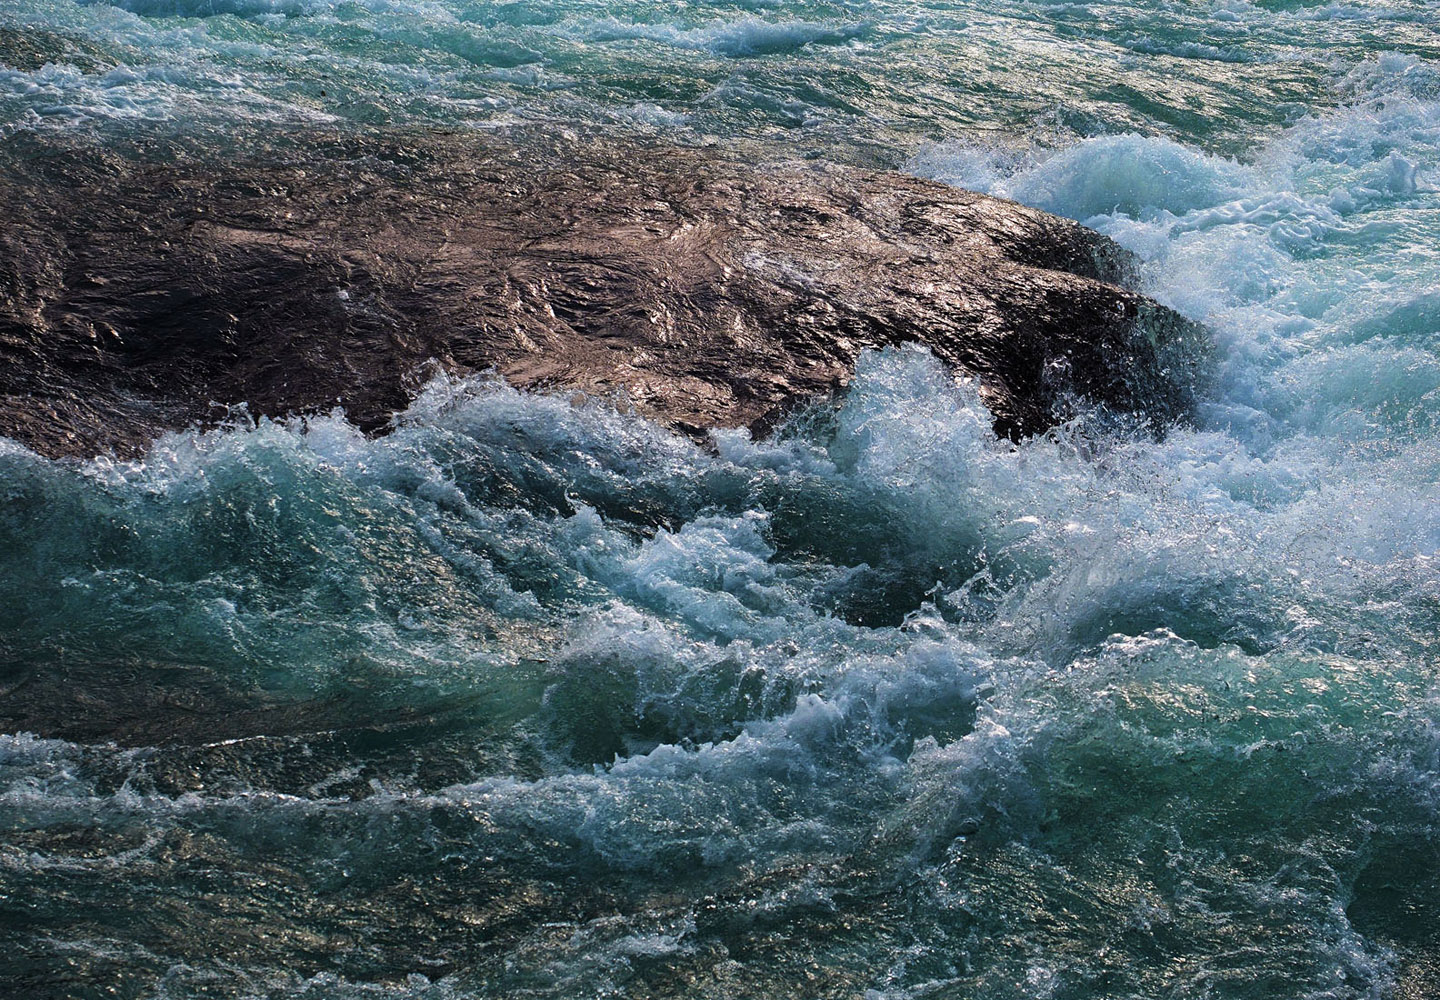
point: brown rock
(135, 299)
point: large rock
(135, 298)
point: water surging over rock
(137, 297)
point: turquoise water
(530, 699)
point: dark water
(529, 699)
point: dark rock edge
(139, 296)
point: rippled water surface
(531, 699)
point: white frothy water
(526, 698)
(737, 725)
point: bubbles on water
(1115, 175)
(533, 696)
(1287, 258)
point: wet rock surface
(138, 296)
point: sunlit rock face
(139, 297)
(530, 696)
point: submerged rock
(135, 299)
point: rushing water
(533, 699)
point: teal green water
(527, 699)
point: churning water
(533, 699)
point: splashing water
(527, 698)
